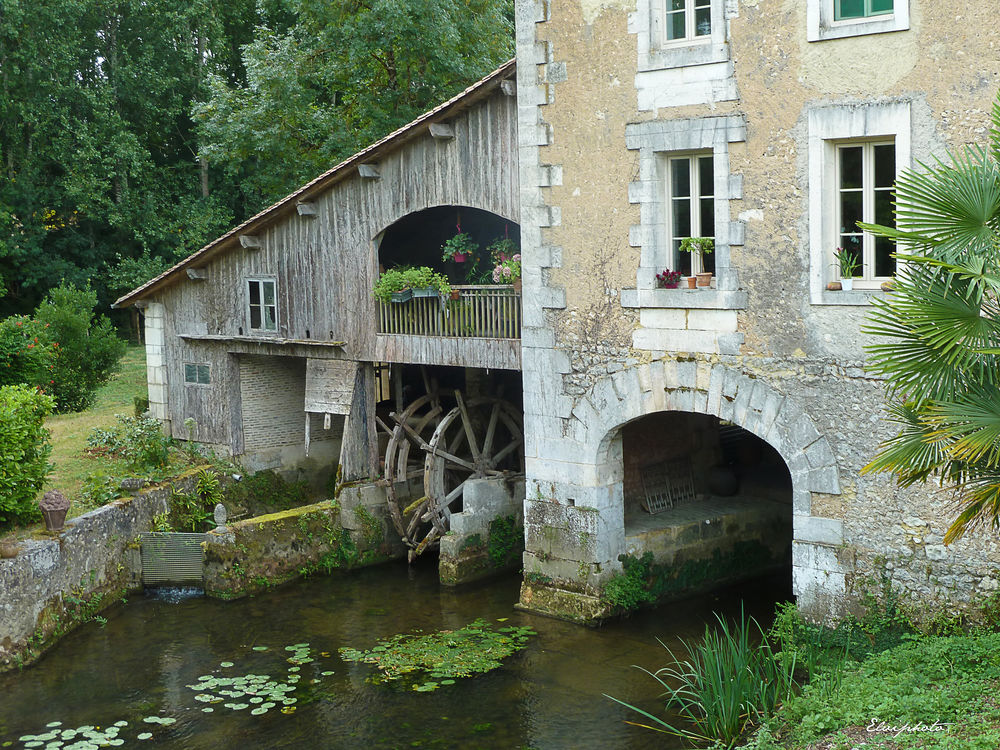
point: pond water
(142, 661)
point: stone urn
(54, 506)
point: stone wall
(250, 556)
(60, 580)
(768, 96)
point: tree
(342, 75)
(87, 350)
(941, 357)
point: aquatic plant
(444, 655)
(725, 685)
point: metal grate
(171, 558)
(666, 484)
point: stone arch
(713, 388)
(717, 390)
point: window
(837, 19)
(262, 307)
(866, 173)
(197, 374)
(691, 209)
(856, 151)
(848, 9)
(687, 19)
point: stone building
(769, 126)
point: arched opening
(416, 240)
(708, 500)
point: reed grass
(724, 684)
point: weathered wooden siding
(325, 266)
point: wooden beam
(305, 208)
(509, 87)
(368, 171)
(197, 274)
(442, 131)
(250, 241)
(142, 304)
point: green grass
(69, 432)
(953, 680)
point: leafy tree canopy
(940, 353)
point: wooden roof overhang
(347, 169)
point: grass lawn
(69, 432)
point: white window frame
(198, 371)
(246, 289)
(656, 52)
(821, 22)
(694, 199)
(690, 29)
(867, 279)
(830, 127)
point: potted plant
(668, 279)
(402, 284)
(458, 248)
(508, 271)
(427, 283)
(701, 246)
(847, 265)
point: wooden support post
(359, 443)
(308, 425)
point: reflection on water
(547, 696)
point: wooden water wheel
(478, 438)
(404, 457)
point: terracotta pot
(517, 286)
(692, 282)
(704, 278)
(834, 286)
(8, 549)
(459, 257)
(456, 294)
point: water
(547, 696)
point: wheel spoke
(467, 424)
(491, 430)
(501, 454)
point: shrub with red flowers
(27, 355)
(668, 279)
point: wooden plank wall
(325, 265)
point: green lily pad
(259, 711)
(145, 736)
(225, 664)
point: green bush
(136, 440)
(24, 452)
(264, 492)
(87, 350)
(27, 356)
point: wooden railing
(480, 311)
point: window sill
(682, 55)
(874, 25)
(855, 297)
(691, 299)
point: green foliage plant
(27, 356)
(88, 349)
(24, 452)
(505, 539)
(939, 331)
(723, 685)
(460, 244)
(630, 590)
(698, 245)
(137, 440)
(443, 656)
(408, 277)
(847, 262)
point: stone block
(825, 479)
(663, 318)
(820, 530)
(819, 454)
(712, 320)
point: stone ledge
(692, 299)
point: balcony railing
(480, 311)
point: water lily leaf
(208, 710)
(259, 711)
(145, 736)
(260, 648)
(326, 674)
(225, 664)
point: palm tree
(941, 325)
